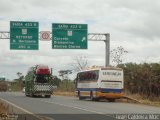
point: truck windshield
(42, 78)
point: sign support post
(107, 49)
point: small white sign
(69, 33)
(24, 31)
(45, 35)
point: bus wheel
(91, 96)
(111, 100)
(80, 97)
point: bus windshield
(88, 75)
(42, 78)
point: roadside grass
(3, 110)
(145, 100)
(65, 93)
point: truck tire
(32, 95)
(47, 96)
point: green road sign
(2, 78)
(24, 35)
(69, 36)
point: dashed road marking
(92, 111)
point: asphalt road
(70, 108)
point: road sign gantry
(91, 37)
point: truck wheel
(39, 96)
(47, 96)
(26, 95)
(32, 95)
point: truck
(3, 86)
(39, 81)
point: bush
(143, 79)
(67, 86)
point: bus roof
(102, 68)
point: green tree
(20, 80)
(143, 79)
(56, 81)
(69, 87)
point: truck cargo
(39, 81)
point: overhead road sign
(24, 35)
(2, 78)
(69, 36)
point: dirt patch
(138, 99)
(71, 94)
(130, 98)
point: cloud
(131, 24)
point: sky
(132, 24)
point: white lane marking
(16, 106)
(24, 110)
(73, 107)
(77, 108)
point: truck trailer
(39, 81)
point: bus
(100, 83)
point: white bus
(106, 83)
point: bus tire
(80, 97)
(91, 96)
(111, 100)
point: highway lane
(59, 106)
